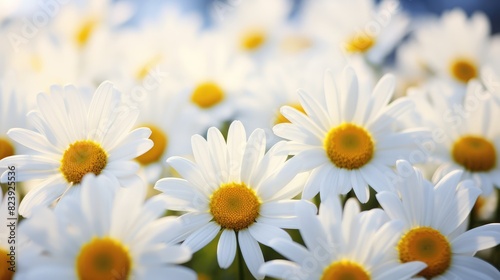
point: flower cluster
(272, 142)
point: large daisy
(229, 187)
(105, 236)
(348, 140)
(341, 244)
(77, 133)
(433, 233)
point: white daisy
(348, 140)
(463, 135)
(12, 114)
(232, 187)
(105, 236)
(456, 47)
(212, 80)
(77, 133)
(359, 27)
(433, 217)
(341, 244)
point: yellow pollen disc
(103, 258)
(474, 153)
(85, 31)
(81, 158)
(463, 70)
(234, 206)
(349, 146)
(5, 273)
(281, 119)
(6, 148)
(160, 141)
(36, 63)
(207, 95)
(345, 270)
(252, 40)
(360, 43)
(427, 245)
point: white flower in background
(105, 235)
(279, 82)
(358, 27)
(232, 187)
(77, 133)
(464, 137)
(341, 244)
(348, 138)
(153, 44)
(456, 47)
(433, 233)
(251, 27)
(212, 79)
(12, 114)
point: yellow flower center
(36, 63)
(144, 70)
(252, 40)
(5, 272)
(81, 158)
(281, 119)
(360, 43)
(85, 31)
(427, 245)
(474, 153)
(345, 270)
(349, 146)
(103, 258)
(160, 141)
(6, 148)
(463, 70)
(207, 95)
(234, 206)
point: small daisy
(104, 236)
(464, 135)
(212, 80)
(433, 217)
(77, 134)
(230, 187)
(341, 244)
(358, 27)
(456, 47)
(348, 141)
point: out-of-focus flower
(233, 187)
(105, 235)
(348, 138)
(433, 217)
(77, 133)
(341, 244)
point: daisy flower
(229, 188)
(246, 33)
(105, 236)
(464, 137)
(456, 47)
(77, 133)
(212, 80)
(12, 114)
(359, 27)
(341, 244)
(433, 216)
(348, 140)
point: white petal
(477, 239)
(264, 233)
(202, 236)
(226, 249)
(280, 269)
(251, 253)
